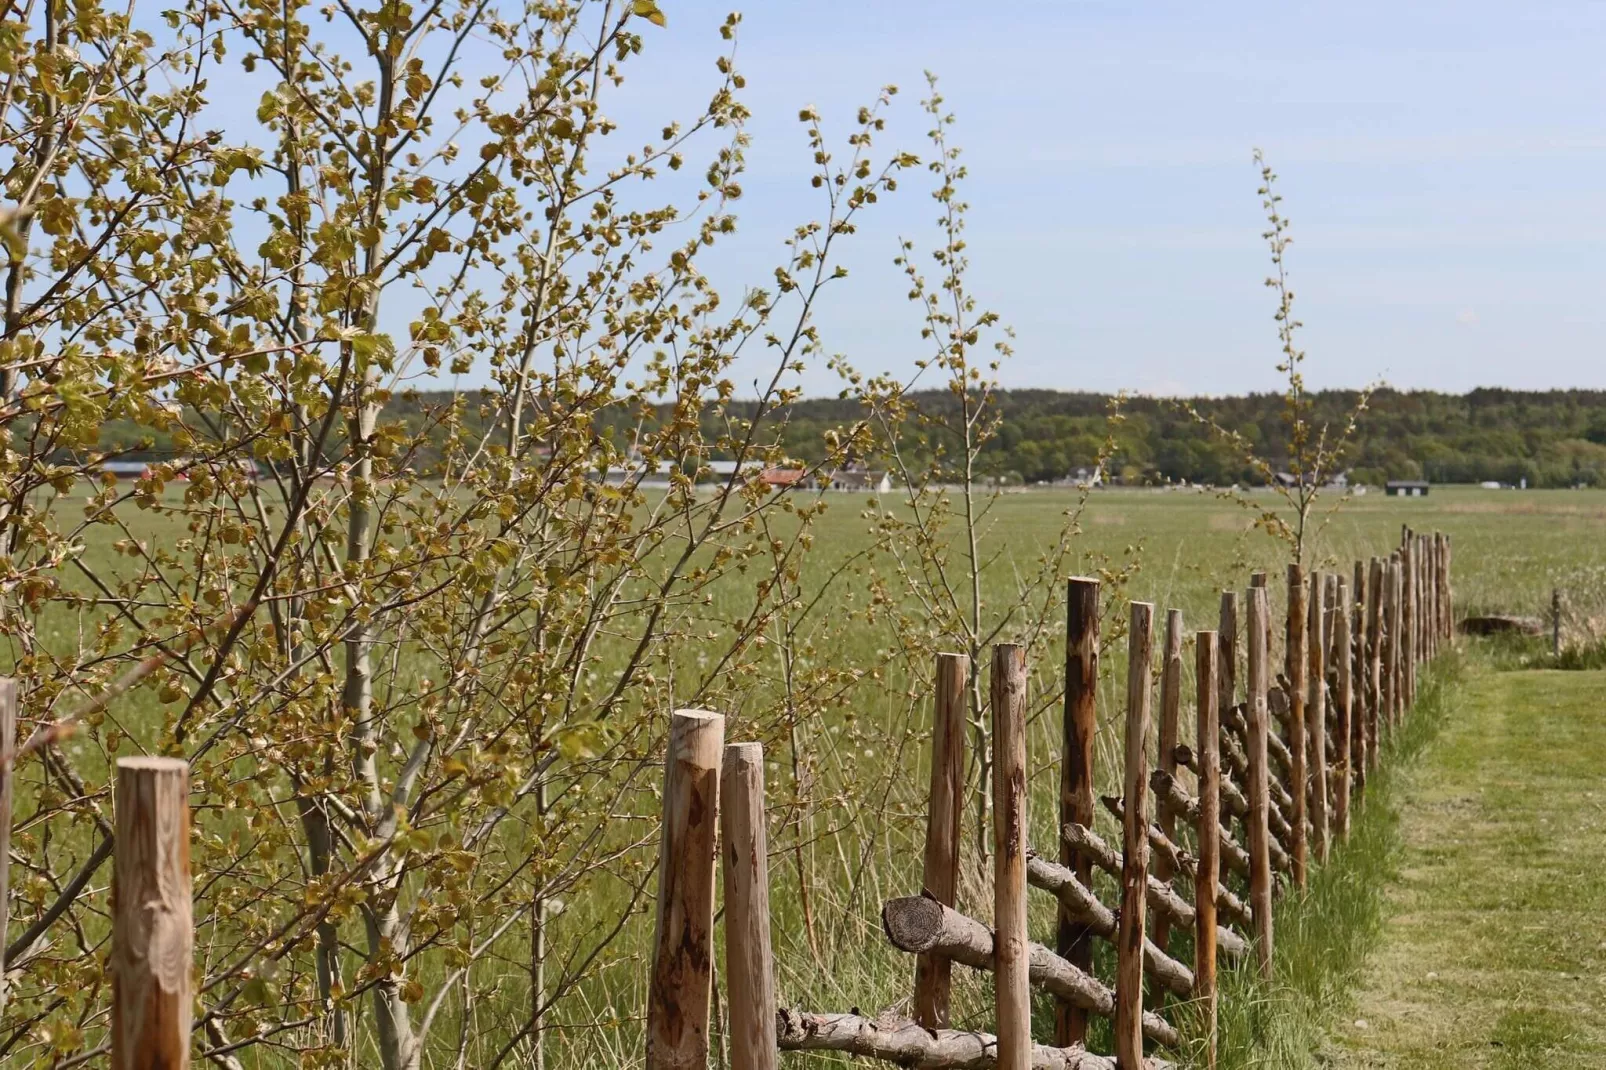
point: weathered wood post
(153, 935)
(749, 961)
(1360, 764)
(944, 824)
(1261, 579)
(1329, 629)
(1227, 651)
(1374, 656)
(1011, 952)
(1207, 740)
(1170, 718)
(1397, 647)
(1555, 622)
(1134, 843)
(1345, 761)
(681, 984)
(1316, 713)
(1449, 588)
(1073, 940)
(1294, 668)
(1259, 782)
(8, 762)
(1408, 620)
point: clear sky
(1444, 165)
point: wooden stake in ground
(1408, 637)
(1227, 651)
(1397, 649)
(1449, 590)
(1260, 579)
(1360, 764)
(749, 963)
(1012, 996)
(1343, 729)
(1374, 656)
(1316, 713)
(1207, 754)
(1170, 717)
(1134, 843)
(1294, 667)
(1073, 941)
(681, 983)
(1259, 779)
(944, 818)
(153, 936)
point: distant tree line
(1548, 438)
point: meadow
(847, 791)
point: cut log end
(912, 922)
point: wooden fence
(1254, 803)
(1215, 825)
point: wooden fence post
(944, 821)
(1449, 588)
(153, 935)
(1227, 651)
(1073, 940)
(1397, 654)
(1408, 623)
(681, 984)
(1343, 728)
(749, 962)
(1294, 668)
(1207, 739)
(1170, 718)
(1316, 713)
(1360, 764)
(1134, 843)
(8, 762)
(1259, 784)
(1260, 579)
(1012, 987)
(1555, 622)
(1374, 657)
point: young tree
(1312, 453)
(417, 665)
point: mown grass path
(1493, 952)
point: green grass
(1492, 954)
(862, 844)
(1322, 937)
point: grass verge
(1322, 937)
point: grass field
(1492, 954)
(1511, 549)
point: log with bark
(907, 1044)
(921, 925)
(1080, 903)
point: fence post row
(1351, 660)
(1379, 636)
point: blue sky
(1444, 165)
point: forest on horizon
(1551, 438)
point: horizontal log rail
(920, 925)
(908, 1044)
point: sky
(1443, 165)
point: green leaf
(648, 10)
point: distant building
(1406, 488)
(783, 477)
